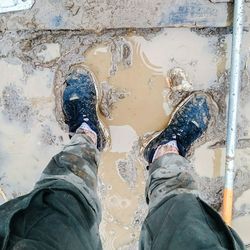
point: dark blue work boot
(189, 121)
(80, 103)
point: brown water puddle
(144, 110)
(140, 112)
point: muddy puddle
(130, 118)
(132, 73)
(146, 108)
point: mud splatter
(121, 54)
(140, 213)
(211, 189)
(72, 7)
(212, 31)
(110, 96)
(242, 184)
(178, 80)
(47, 137)
(16, 107)
(127, 167)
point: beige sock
(85, 129)
(170, 147)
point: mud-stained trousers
(63, 210)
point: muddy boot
(80, 103)
(189, 121)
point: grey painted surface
(107, 14)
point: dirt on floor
(142, 76)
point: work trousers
(63, 211)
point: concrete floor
(132, 66)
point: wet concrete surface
(133, 70)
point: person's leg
(177, 218)
(63, 211)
